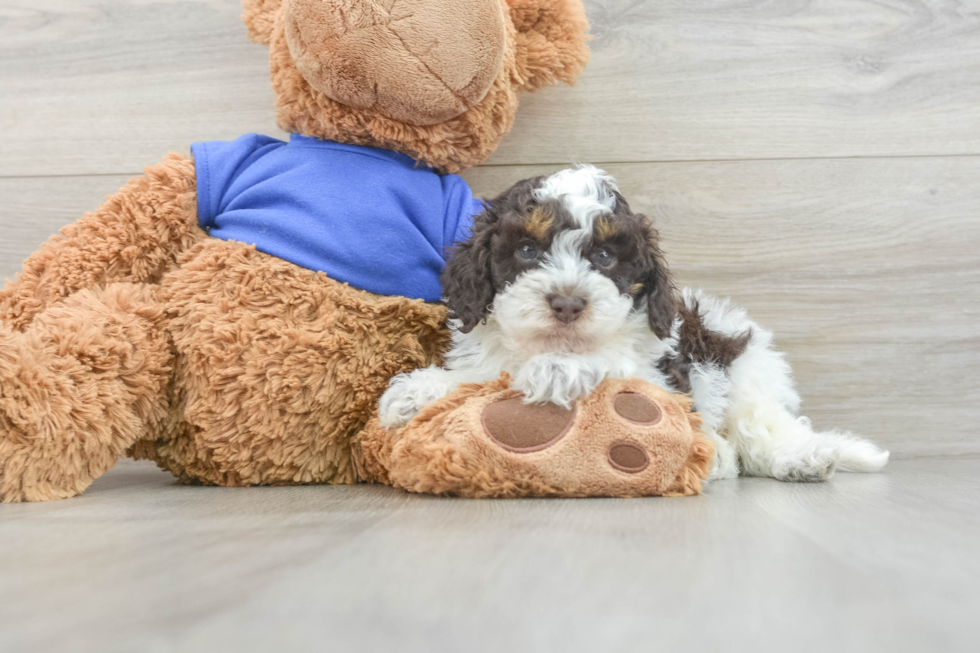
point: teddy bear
(234, 315)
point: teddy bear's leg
(278, 367)
(86, 379)
(135, 236)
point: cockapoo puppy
(562, 286)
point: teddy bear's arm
(135, 236)
(551, 41)
(259, 16)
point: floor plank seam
(856, 157)
(552, 164)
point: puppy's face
(561, 263)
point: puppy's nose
(567, 308)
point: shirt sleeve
(461, 208)
(218, 164)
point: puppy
(561, 285)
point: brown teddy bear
(149, 328)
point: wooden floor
(817, 161)
(863, 563)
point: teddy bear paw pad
(522, 428)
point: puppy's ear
(658, 284)
(259, 16)
(467, 280)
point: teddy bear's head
(435, 79)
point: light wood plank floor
(864, 563)
(817, 161)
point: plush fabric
(277, 368)
(86, 379)
(369, 217)
(441, 58)
(548, 46)
(451, 447)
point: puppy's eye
(604, 259)
(529, 209)
(528, 252)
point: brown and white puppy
(561, 285)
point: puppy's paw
(555, 379)
(725, 462)
(397, 407)
(406, 395)
(806, 466)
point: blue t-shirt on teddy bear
(373, 218)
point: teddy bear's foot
(627, 438)
(81, 384)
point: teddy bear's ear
(258, 16)
(551, 41)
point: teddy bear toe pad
(628, 457)
(636, 408)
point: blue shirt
(370, 217)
